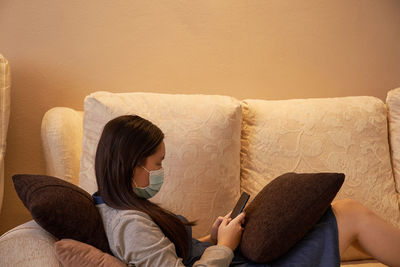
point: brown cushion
(62, 209)
(72, 253)
(284, 211)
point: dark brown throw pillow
(62, 209)
(284, 211)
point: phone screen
(240, 205)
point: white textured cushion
(393, 105)
(202, 162)
(346, 135)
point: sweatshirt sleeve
(139, 241)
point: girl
(129, 171)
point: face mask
(156, 179)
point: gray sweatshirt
(138, 241)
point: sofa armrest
(61, 134)
(28, 245)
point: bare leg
(360, 227)
(354, 251)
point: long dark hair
(127, 141)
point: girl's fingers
(218, 221)
(240, 217)
(227, 215)
(226, 221)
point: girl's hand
(230, 231)
(215, 226)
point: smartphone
(240, 205)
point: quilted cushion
(284, 211)
(62, 209)
(343, 135)
(202, 162)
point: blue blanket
(320, 247)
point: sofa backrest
(346, 135)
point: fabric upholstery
(202, 138)
(28, 245)
(72, 253)
(62, 209)
(32, 246)
(345, 135)
(5, 84)
(285, 210)
(61, 134)
(393, 106)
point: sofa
(5, 84)
(218, 146)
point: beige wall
(60, 51)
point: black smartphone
(240, 205)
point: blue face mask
(156, 179)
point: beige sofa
(5, 84)
(218, 146)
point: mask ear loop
(145, 168)
(138, 186)
(134, 183)
(133, 179)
